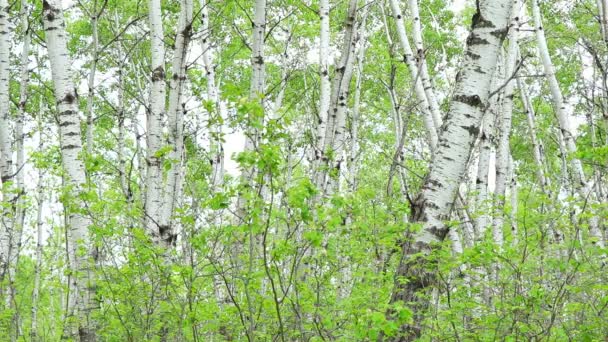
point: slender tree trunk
(213, 94)
(20, 163)
(252, 139)
(514, 203)
(354, 125)
(536, 144)
(39, 236)
(433, 206)
(256, 91)
(217, 116)
(91, 82)
(335, 131)
(483, 168)
(422, 66)
(6, 152)
(81, 252)
(175, 120)
(339, 100)
(503, 152)
(324, 94)
(154, 131)
(429, 119)
(564, 112)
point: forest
(303, 170)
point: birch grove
(312, 170)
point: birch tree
(6, 151)
(82, 254)
(563, 112)
(432, 207)
(175, 121)
(154, 129)
(315, 232)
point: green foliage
(264, 254)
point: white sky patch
(457, 6)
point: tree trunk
(6, 152)
(256, 92)
(408, 55)
(503, 152)
(564, 112)
(422, 66)
(213, 94)
(325, 90)
(19, 214)
(336, 119)
(154, 131)
(433, 206)
(94, 15)
(82, 255)
(175, 121)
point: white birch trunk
(422, 66)
(483, 169)
(536, 144)
(6, 153)
(339, 101)
(258, 65)
(19, 213)
(504, 129)
(325, 90)
(408, 56)
(562, 107)
(91, 81)
(39, 241)
(154, 131)
(256, 90)
(564, 112)
(439, 191)
(213, 94)
(175, 121)
(336, 120)
(354, 145)
(82, 255)
(514, 203)
(340, 93)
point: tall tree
(434, 204)
(6, 151)
(82, 254)
(155, 112)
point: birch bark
(82, 255)
(483, 168)
(213, 94)
(354, 145)
(336, 120)
(422, 65)
(19, 213)
(324, 94)
(536, 144)
(39, 236)
(564, 112)
(6, 153)
(408, 56)
(434, 204)
(175, 121)
(257, 88)
(339, 101)
(503, 151)
(91, 82)
(154, 132)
